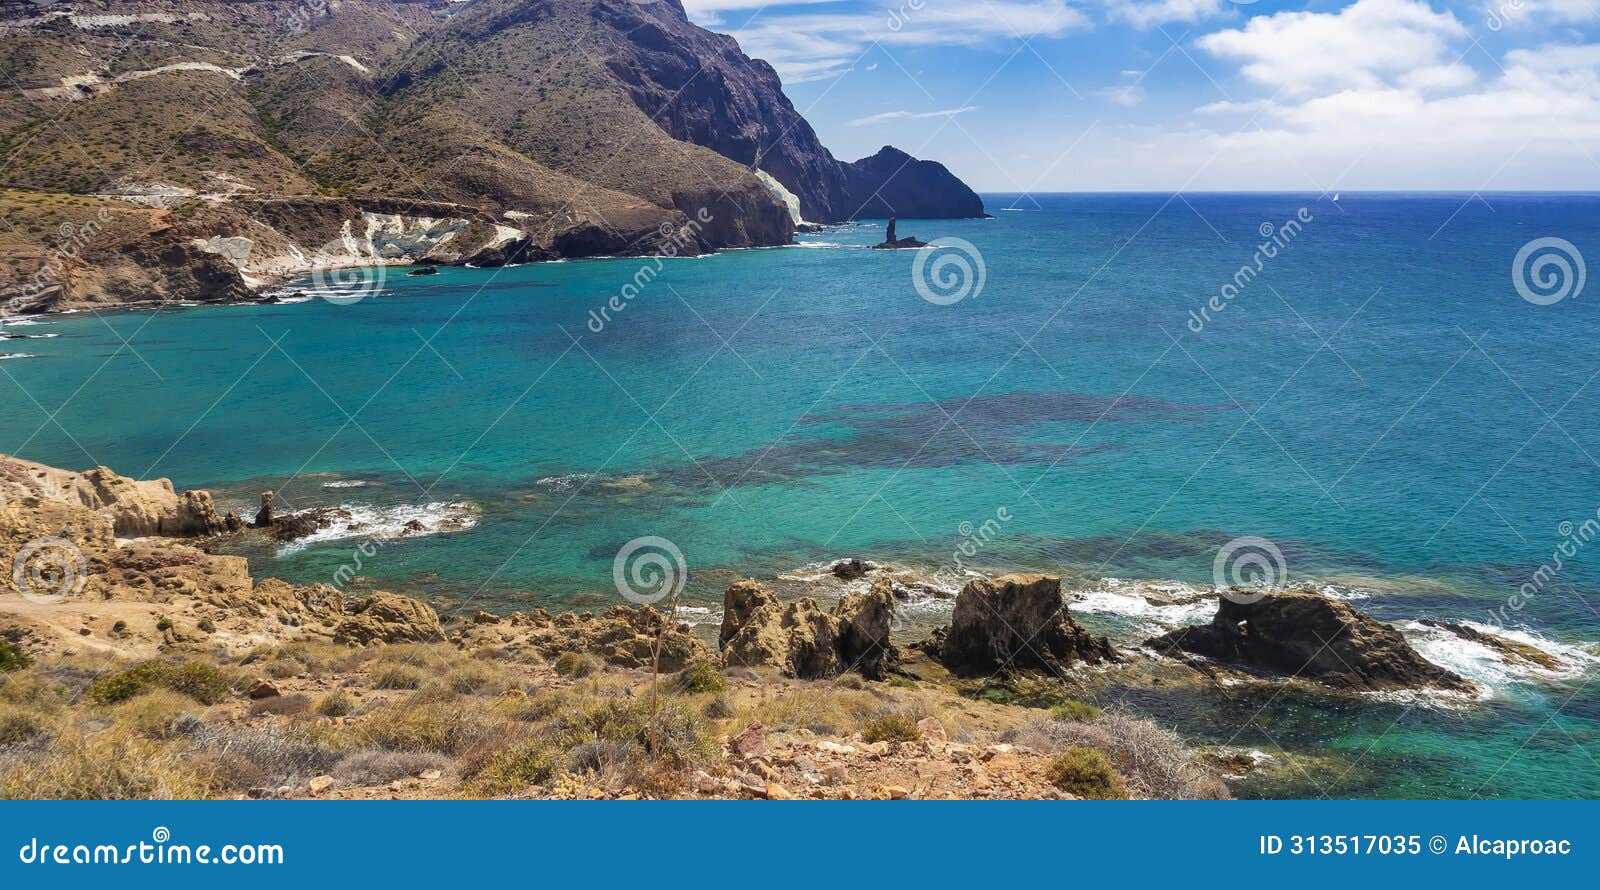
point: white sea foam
(7, 356)
(345, 483)
(564, 483)
(1489, 667)
(389, 523)
(698, 615)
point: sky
(1162, 95)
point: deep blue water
(1377, 400)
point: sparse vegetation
(12, 658)
(574, 664)
(202, 682)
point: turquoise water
(1378, 401)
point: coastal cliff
(237, 145)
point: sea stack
(890, 242)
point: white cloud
(1151, 13)
(817, 45)
(909, 115)
(1500, 14)
(1126, 96)
(1365, 45)
(1533, 126)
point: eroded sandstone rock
(624, 636)
(1016, 623)
(803, 641)
(389, 618)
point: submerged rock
(803, 641)
(1304, 634)
(1014, 623)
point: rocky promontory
(1301, 633)
(662, 138)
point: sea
(1391, 398)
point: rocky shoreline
(121, 631)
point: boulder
(865, 620)
(264, 689)
(388, 618)
(1304, 634)
(803, 641)
(849, 569)
(294, 526)
(1015, 623)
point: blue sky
(1080, 95)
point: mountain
(201, 149)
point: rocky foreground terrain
(134, 663)
(200, 149)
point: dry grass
(109, 765)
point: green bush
(1075, 711)
(201, 682)
(1086, 773)
(701, 676)
(12, 658)
(891, 728)
(163, 623)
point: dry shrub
(575, 664)
(283, 705)
(337, 703)
(108, 765)
(893, 726)
(513, 769)
(395, 676)
(284, 668)
(281, 755)
(22, 726)
(154, 715)
(470, 678)
(372, 766)
(442, 726)
(1155, 761)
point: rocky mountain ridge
(199, 150)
